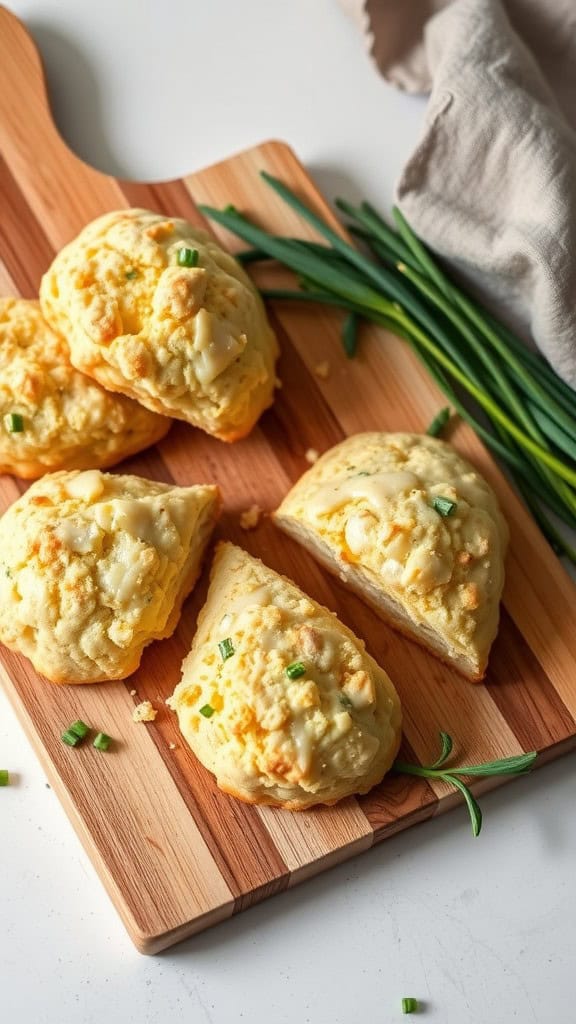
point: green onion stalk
(511, 396)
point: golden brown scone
(186, 341)
(278, 698)
(93, 567)
(414, 530)
(53, 417)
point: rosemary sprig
(510, 395)
(519, 764)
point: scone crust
(365, 509)
(93, 567)
(189, 342)
(70, 421)
(332, 732)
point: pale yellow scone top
(366, 510)
(189, 342)
(93, 567)
(268, 738)
(68, 420)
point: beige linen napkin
(492, 184)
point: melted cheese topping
(92, 567)
(370, 499)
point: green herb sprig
(510, 395)
(519, 764)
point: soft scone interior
(278, 698)
(156, 309)
(414, 529)
(93, 567)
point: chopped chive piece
(79, 728)
(409, 1005)
(131, 274)
(4, 777)
(230, 208)
(226, 648)
(207, 711)
(187, 257)
(443, 506)
(346, 702)
(14, 423)
(102, 741)
(439, 422)
(71, 738)
(295, 670)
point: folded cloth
(491, 185)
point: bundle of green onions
(510, 395)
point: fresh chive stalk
(519, 764)
(510, 395)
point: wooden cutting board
(174, 853)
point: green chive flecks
(346, 702)
(102, 741)
(79, 728)
(188, 257)
(14, 423)
(295, 670)
(4, 777)
(70, 738)
(131, 274)
(226, 648)
(409, 1005)
(207, 710)
(443, 506)
(439, 422)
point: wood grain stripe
(24, 263)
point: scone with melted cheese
(93, 567)
(189, 341)
(278, 698)
(53, 417)
(415, 530)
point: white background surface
(480, 930)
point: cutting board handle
(32, 152)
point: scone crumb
(144, 712)
(250, 518)
(322, 370)
(278, 384)
(133, 693)
(312, 456)
(172, 746)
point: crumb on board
(144, 712)
(132, 693)
(322, 369)
(312, 456)
(172, 746)
(250, 518)
(278, 383)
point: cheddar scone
(413, 528)
(93, 567)
(155, 309)
(278, 698)
(53, 417)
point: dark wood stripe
(233, 831)
(523, 692)
(399, 800)
(170, 198)
(25, 249)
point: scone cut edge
(416, 531)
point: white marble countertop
(481, 931)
